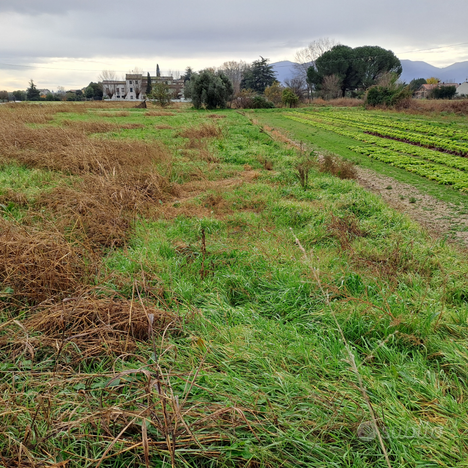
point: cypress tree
(149, 88)
(158, 73)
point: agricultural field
(188, 288)
(416, 162)
(428, 147)
(438, 152)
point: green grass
(257, 326)
(28, 182)
(20, 186)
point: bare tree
(136, 71)
(235, 72)
(108, 79)
(298, 85)
(331, 87)
(305, 57)
(137, 86)
(60, 92)
(108, 75)
(174, 73)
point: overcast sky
(69, 42)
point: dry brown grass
(163, 127)
(104, 207)
(118, 182)
(339, 102)
(38, 113)
(345, 229)
(89, 126)
(107, 114)
(197, 144)
(420, 106)
(38, 264)
(18, 198)
(158, 114)
(87, 325)
(267, 164)
(69, 149)
(395, 260)
(207, 130)
(120, 114)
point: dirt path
(438, 217)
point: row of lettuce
(415, 153)
(446, 130)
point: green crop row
(416, 127)
(456, 162)
(441, 144)
(427, 141)
(441, 174)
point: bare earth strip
(438, 217)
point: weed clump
(345, 229)
(216, 116)
(303, 169)
(90, 326)
(337, 167)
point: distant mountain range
(456, 73)
(284, 70)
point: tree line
(92, 92)
(323, 69)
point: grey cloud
(42, 7)
(114, 28)
(209, 29)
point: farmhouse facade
(425, 90)
(133, 88)
(462, 90)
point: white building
(462, 90)
(133, 88)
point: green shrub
(387, 95)
(259, 102)
(290, 98)
(210, 90)
(443, 92)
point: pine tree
(258, 76)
